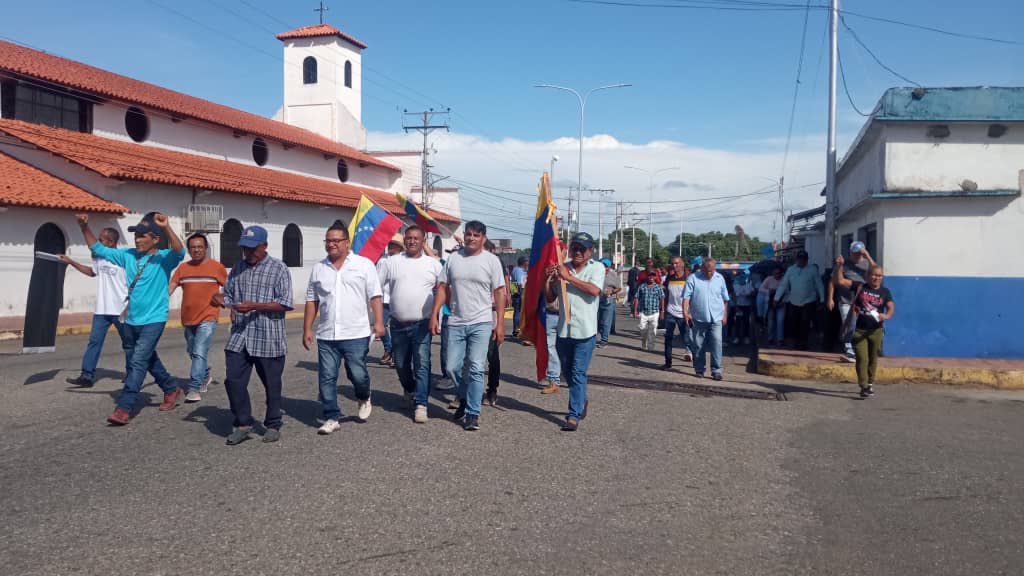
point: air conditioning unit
(203, 218)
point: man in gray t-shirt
(853, 269)
(473, 284)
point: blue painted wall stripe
(955, 317)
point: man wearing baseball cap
(853, 270)
(148, 272)
(258, 292)
(577, 319)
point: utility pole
(601, 192)
(831, 208)
(680, 235)
(783, 236)
(426, 127)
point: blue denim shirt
(707, 296)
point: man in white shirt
(111, 293)
(412, 277)
(341, 287)
(472, 279)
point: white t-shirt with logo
(111, 287)
(412, 282)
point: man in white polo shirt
(341, 287)
(413, 277)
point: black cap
(802, 255)
(583, 239)
(147, 226)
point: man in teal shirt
(579, 300)
(806, 294)
(148, 271)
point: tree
(660, 255)
(731, 247)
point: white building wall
(915, 162)
(327, 107)
(974, 237)
(214, 141)
(862, 175)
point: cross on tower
(323, 8)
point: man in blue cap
(606, 312)
(148, 271)
(258, 292)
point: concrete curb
(842, 372)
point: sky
(712, 86)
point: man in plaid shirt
(649, 306)
(259, 292)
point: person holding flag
(371, 229)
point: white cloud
(515, 166)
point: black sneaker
(471, 423)
(698, 374)
(81, 380)
(716, 376)
(460, 412)
(867, 391)
(666, 367)
(570, 425)
(491, 398)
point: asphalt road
(918, 480)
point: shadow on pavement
(218, 421)
(44, 376)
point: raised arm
(838, 278)
(160, 219)
(83, 224)
(87, 270)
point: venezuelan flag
(419, 215)
(371, 229)
(544, 252)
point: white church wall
(331, 54)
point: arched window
(260, 152)
(230, 254)
(342, 170)
(292, 246)
(348, 74)
(309, 70)
(136, 124)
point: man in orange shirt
(200, 279)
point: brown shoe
(120, 417)
(170, 400)
(551, 388)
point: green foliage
(724, 247)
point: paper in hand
(47, 256)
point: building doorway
(230, 253)
(45, 292)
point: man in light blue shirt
(148, 271)
(803, 284)
(706, 310)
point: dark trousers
(672, 324)
(238, 368)
(801, 316)
(493, 366)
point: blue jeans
(517, 311)
(410, 345)
(554, 373)
(140, 346)
(386, 338)
(777, 323)
(444, 346)
(706, 337)
(605, 318)
(97, 336)
(575, 354)
(331, 353)
(197, 341)
(673, 323)
(469, 344)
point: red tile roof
(316, 31)
(68, 73)
(24, 185)
(137, 162)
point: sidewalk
(821, 366)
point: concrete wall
(915, 163)
(861, 174)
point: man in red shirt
(649, 269)
(200, 278)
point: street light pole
(551, 177)
(650, 204)
(583, 104)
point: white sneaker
(421, 415)
(328, 427)
(364, 409)
(205, 386)
(192, 397)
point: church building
(78, 138)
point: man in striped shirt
(200, 278)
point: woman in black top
(872, 306)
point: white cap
(857, 246)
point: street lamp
(583, 104)
(650, 225)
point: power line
(796, 90)
(857, 39)
(933, 29)
(846, 89)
